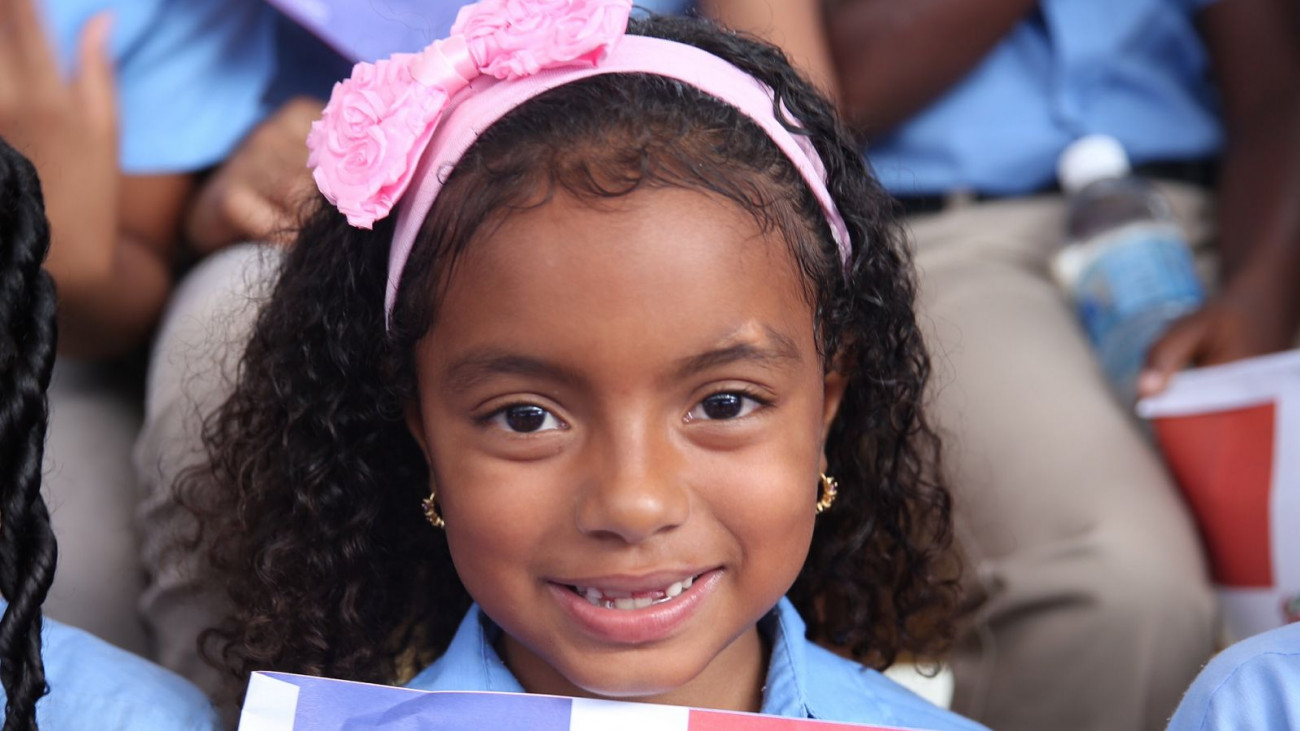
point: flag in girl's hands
(283, 702)
(368, 30)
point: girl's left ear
(835, 385)
(415, 425)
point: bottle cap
(1089, 159)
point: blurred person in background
(1097, 610)
(242, 211)
(797, 26)
(118, 104)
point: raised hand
(256, 195)
(69, 131)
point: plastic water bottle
(1126, 262)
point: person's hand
(1256, 314)
(258, 193)
(69, 131)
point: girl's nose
(638, 493)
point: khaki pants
(1098, 611)
(91, 492)
(204, 331)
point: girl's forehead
(656, 272)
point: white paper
(598, 715)
(269, 705)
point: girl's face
(624, 408)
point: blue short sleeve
(191, 74)
(94, 686)
(1252, 686)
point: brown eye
(723, 406)
(525, 419)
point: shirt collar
(471, 662)
(786, 692)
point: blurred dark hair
(27, 340)
(313, 521)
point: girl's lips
(640, 625)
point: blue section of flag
(335, 704)
(472, 712)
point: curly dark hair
(28, 551)
(313, 523)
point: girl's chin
(658, 675)
(637, 686)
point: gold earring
(431, 511)
(829, 489)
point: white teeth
(619, 599)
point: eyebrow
(475, 368)
(780, 352)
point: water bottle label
(1135, 270)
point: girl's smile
(623, 407)
(647, 611)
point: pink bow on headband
(368, 143)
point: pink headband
(368, 147)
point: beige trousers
(205, 328)
(91, 492)
(1098, 611)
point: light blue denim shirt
(1252, 686)
(191, 74)
(94, 686)
(803, 680)
(1133, 69)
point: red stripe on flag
(1223, 461)
(722, 721)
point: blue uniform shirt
(191, 74)
(97, 687)
(1252, 686)
(1132, 69)
(803, 680)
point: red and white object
(1231, 436)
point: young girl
(91, 684)
(623, 400)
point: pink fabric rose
(514, 38)
(368, 142)
(366, 145)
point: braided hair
(27, 341)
